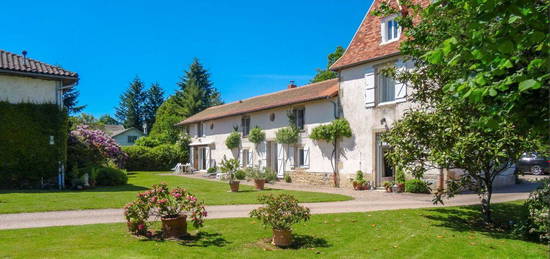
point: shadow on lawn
(469, 218)
(307, 241)
(204, 239)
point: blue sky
(249, 47)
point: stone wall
(316, 178)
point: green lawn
(213, 193)
(413, 233)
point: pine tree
(70, 100)
(196, 84)
(130, 109)
(153, 100)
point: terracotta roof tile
(366, 43)
(315, 91)
(17, 63)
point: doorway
(271, 155)
(385, 171)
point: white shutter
(291, 164)
(400, 88)
(306, 157)
(241, 158)
(250, 158)
(191, 157)
(370, 87)
(262, 151)
(207, 157)
(280, 161)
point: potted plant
(280, 213)
(172, 207)
(230, 166)
(359, 182)
(387, 185)
(258, 176)
(400, 180)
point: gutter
(41, 75)
(336, 69)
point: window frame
(301, 126)
(245, 126)
(381, 86)
(200, 129)
(384, 23)
(245, 155)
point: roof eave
(342, 67)
(186, 122)
(67, 80)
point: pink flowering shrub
(93, 146)
(164, 203)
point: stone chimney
(291, 85)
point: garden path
(364, 201)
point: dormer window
(390, 29)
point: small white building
(312, 104)
(122, 136)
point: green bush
(270, 175)
(287, 177)
(147, 141)
(240, 174)
(26, 155)
(416, 186)
(212, 170)
(538, 205)
(233, 140)
(256, 135)
(108, 176)
(160, 158)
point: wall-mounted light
(52, 140)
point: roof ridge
(271, 93)
(28, 66)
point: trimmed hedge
(160, 158)
(108, 176)
(26, 155)
(416, 186)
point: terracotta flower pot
(174, 227)
(400, 187)
(282, 238)
(234, 185)
(259, 184)
(388, 189)
(354, 183)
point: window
(386, 88)
(299, 116)
(301, 157)
(390, 30)
(200, 130)
(132, 139)
(244, 158)
(187, 130)
(245, 124)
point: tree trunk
(486, 201)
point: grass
(213, 193)
(413, 233)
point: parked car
(533, 163)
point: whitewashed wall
(16, 89)
(357, 93)
(316, 113)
